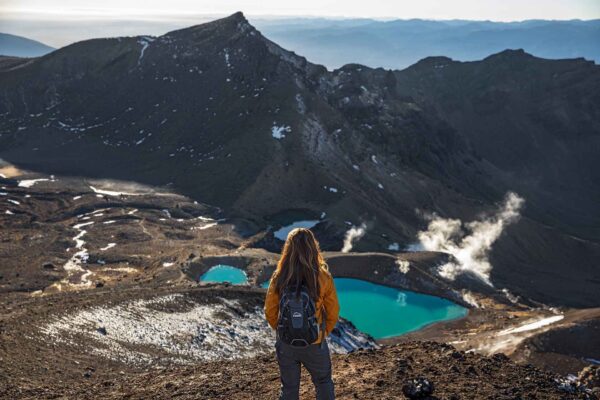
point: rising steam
(471, 248)
(353, 234)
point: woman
(301, 269)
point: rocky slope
(100, 293)
(359, 375)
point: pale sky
(60, 22)
(497, 10)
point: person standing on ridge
(302, 306)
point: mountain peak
(510, 54)
(237, 16)
(236, 22)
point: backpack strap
(323, 325)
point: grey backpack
(298, 325)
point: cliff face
(222, 114)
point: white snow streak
(27, 183)
(145, 42)
(532, 325)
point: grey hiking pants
(315, 359)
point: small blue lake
(225, 273)
(384, 312)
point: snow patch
(144, 41)
(108, 246)
(226, 54)
(27, 183)
(185, 330)
(283, 232)
(278, 132)
(73, 265)
(112, 193)
(206, 226)
(540, 323)
(511, 297)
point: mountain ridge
(401, 43)
(223, 114)
(19, 46)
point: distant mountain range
(221, 113)
(393, 44)
(399, 43)
(18, 46)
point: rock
(590, 376)
(568, 384)
(419, 388)
(403, 365)
(48, 265)
(471, 370)
(102, 331)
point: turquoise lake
(225, 273)
(384, 312)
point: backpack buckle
(299, 343)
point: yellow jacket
(327, 300)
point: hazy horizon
(59, 32)
(66, 21)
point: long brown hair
(300, 262)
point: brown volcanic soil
(366, 374)
(32, 368)
(164, 245)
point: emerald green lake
(384, 312)
(225, 273)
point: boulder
(418, 388)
